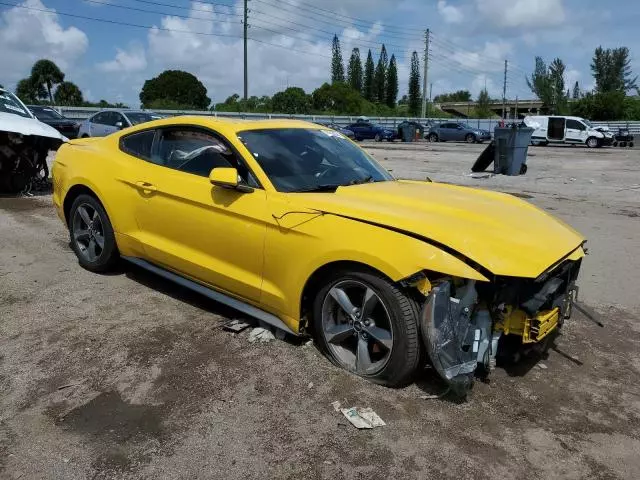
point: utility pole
(430, 97)
(427, 40)
(246, 71)
(504, 90)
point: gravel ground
(128, 376)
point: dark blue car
(365, 130)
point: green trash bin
(511, 147)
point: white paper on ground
(362, 417)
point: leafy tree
(175, 86)
(601, 106)
(611, 70)
(391, 93)
(68, 93)
(540, 84)
(576, 91)
(337, 68)
(483, 105)
(29, 92)
(457, 96)
(46, 73)
(293, 100)
(379, 77)
(556, 80)
(354, 72)
(369, 69)
(414, 85)
(339, 98)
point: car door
(446, 132)
(208, 233)
(97, 126)
(576, 132)
(459, 132)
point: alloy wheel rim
(88, 232)
(357, 327)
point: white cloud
(482, 81)
(527, 14)
(29, 35)
(489, 58)
(449, 13)
(131, 61)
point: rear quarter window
(138, 144)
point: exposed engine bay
(467, 325)
(23, 161)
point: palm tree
(45, 72)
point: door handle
(149, 187)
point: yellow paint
(517, 322)
(263, 246)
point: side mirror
(119, 125)
(227, 177)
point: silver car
(457, 132)
(109, 121)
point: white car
(560, 129)
(24, 145)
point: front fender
(294, 254)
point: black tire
(623, 144)
(592, 142)
(109, 255)
(377, 138)
(470, 138)
(630, 144)
(523, 169)
(433, 137)
(406, 353)
(615, 144)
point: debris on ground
(310, 386)
(336, 405)
(261, 335)
(542, 366)
(362, 417)
(308, 344)
(235, 326)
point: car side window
(138, 144)
(575, 125)
(99, 118)
(120, 118)
(195, 151)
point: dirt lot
(127, 376)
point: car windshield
(9, 103)
(47, 114)
(587, 123)
(140, 117)
(308, 160)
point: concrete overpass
(465, 109)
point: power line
(218, 12)
(286, 47)
(189, 17)
(286, 8)
(114, 22)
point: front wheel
(470, 138)
(592, 142)
(366, 325)
(377, 138)
(92, 237)
(433, 137)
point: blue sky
(292, 39)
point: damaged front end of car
(467, 324)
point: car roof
(226, 125)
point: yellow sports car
(294, 224)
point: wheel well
(72, 194)
(314, 282)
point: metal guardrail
(81, 113)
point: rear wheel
(470, 138)
(92, 237)
(366, 325)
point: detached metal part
(457, 336)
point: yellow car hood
(500, 232)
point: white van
(569, 130)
